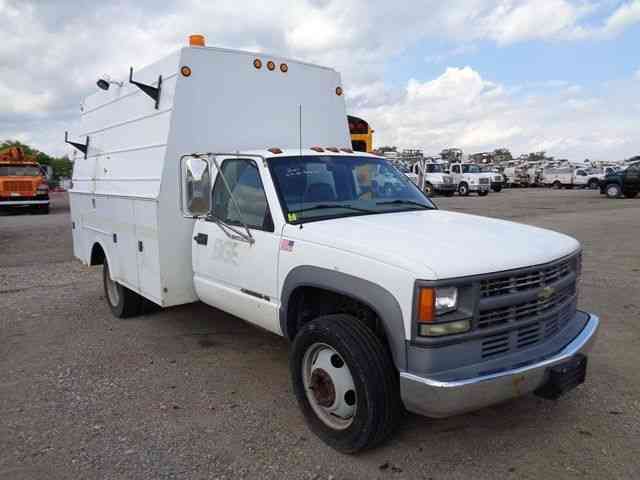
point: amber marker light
(284, 68)
(426, 305)
(196, 40)
(185, 71)
(257, 63)
(339, 91)
(271, 66)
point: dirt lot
(191, 392)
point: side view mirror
(195, 183)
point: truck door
(456, 172)
(580, 178)
(231, 273)
(632, 179)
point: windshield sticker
(292, 217)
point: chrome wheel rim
(612, 191)
(329, 386)
(112, 288)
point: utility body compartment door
(232, 274)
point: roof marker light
(284, 68)
(347, 150)
(317, 149)
(257, 63)
(275, 151)
(185, 71)
(196, 40)
(271, 65)
(339, 91)
(332, 149)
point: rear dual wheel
(122, 301)
(345, 383)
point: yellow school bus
(361, 134)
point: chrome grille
(484, 180)
(521, 312)
(524, 281)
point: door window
(246, 186)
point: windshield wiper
(406, 202)
(325, 206)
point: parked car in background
(622, 183)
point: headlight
(474, 181)
(446, 299)
(42, 188)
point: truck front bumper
(479, 187)
(439, 399)
(24, 201)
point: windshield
(19, 171)
(319, 188)
(434, 168)
(470, 169)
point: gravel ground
(191, 392)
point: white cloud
(460, 108)
(51, 53)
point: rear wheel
(345, 383)
(497, 188)
(593, 184)
(557, 185)
(630, 194)
(483, 193)
(463, 189)
(122, 301)
(613, 190)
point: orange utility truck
(22, 182)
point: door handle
(201, 238)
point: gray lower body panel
(446, 395)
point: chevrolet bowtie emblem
(546, 292)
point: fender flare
(107, 255)
(380, 300)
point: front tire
(483, 193)
(593, 184)
(613, 190)
(463, 190)
(123, 302)
(497, 188)
(345, 383)
(428, 190)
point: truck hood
(437, 244)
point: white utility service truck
(570, 177)
(431, 178)
(227, 177)
(468, 177)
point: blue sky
(555, 75)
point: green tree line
(62, 166)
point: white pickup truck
(469, 178)
(227, 177)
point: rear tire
(463, 190)
(556, 185)
(630, 194)
(352, 403)
(593, 184)
(123, 302)
(483, 193)
(497, 188)
(613, 190)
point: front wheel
(497, 188)
(122, 301)
(613, 190)
(483, 193)
(463, 189)
(593, 184)
(345, 383)
(428, 189)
